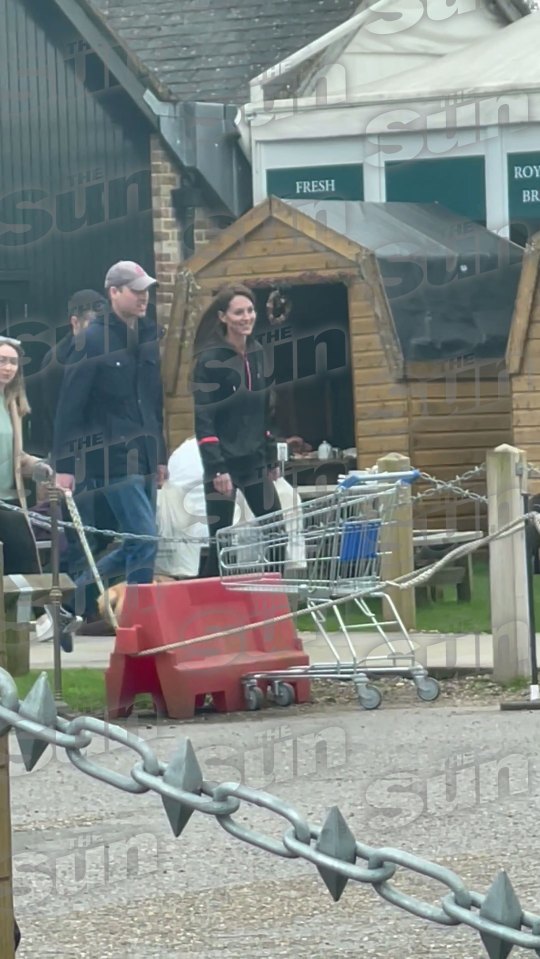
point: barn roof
(209, 50)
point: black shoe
(69, 623)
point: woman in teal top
(20, 551)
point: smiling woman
(232, 413)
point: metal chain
(332, 847)
(44, 522)
(452, 486)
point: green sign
(317, 182)
(524, 185)
(458, 183)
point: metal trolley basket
(329, 549)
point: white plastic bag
(181, 515)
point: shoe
(44, 628)
(69, 624)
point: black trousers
(20, 550)
(261, 497)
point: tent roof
(507, 60)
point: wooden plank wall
(381, 405)
(454, 421)
(525, 391)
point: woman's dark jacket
(232, 409)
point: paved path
(450, 650)
(98, 873)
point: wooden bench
(21, 594)
(430, 545)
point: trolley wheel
(254, 697)
(369, 696)
(428, 689)
(284, 694)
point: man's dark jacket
(109, 419)
(50, 381)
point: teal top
(7, 484)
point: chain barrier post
(534, 691)
(510, 622)
(397, 543)
(7, 920)
(56, 592)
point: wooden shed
(337, 362)
(523, 358)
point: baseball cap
(85, 301)
(128, 273)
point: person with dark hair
(83, 307)
(109, 424)
(231, 402)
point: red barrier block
(178, 680)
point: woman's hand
(43, 475)
(223, 484)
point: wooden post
(398, 540)
(7, 922)
(506, 482)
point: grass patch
(444, 616)
(83, 689)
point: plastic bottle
(325, 450)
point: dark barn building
(118, 141)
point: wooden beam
(523, 307)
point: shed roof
(451, 283)
(396, 230)
(208, 50)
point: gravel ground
(99, 874)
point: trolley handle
(408, 476)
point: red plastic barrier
(178, 680)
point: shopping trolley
(329, 549)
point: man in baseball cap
(109, 427)
(130, 274)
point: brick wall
(167, 237)
(166, 177)
(205, 229)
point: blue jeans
(132, 502)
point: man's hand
(274, 474)
(65, 481)
(223, 484)
(162, 475)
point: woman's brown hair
(15, 391)
(210, 327)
